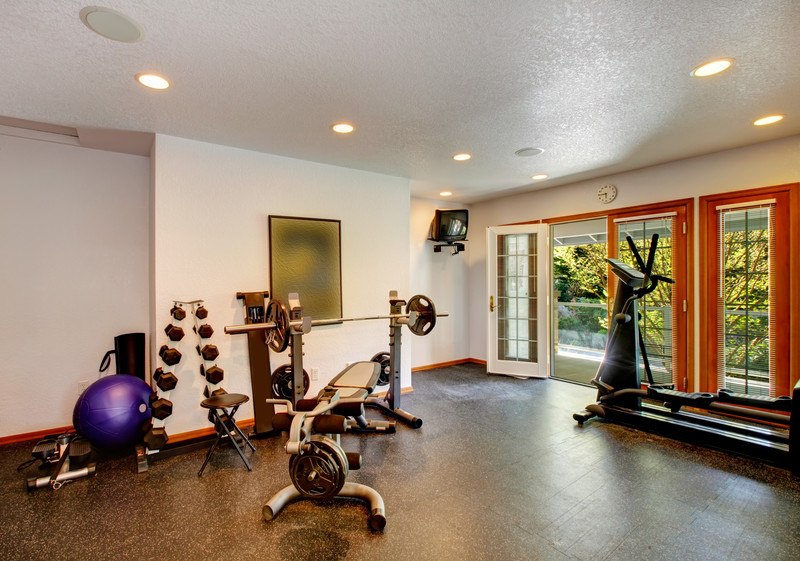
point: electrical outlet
(82, 385)
(315, 373)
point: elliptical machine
(769, 428)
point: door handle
(491, 303)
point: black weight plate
(426, 314)
(283, 382)
(278, 337)
(384, 360)
(320, 471)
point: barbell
(420, 317)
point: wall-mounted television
(449, 225)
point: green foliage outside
(580, 276)
(746, 302)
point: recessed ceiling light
(153, 81)
(711, 68)
(539, 176)
(343, 128)
(111, 24)
(768, 120)
(462, 157)
(525, 152)
(445, 193)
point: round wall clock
(606, 194)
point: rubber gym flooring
(499, 470)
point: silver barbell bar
(411, 317)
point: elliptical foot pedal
(780, 403)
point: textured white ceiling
(602, 85)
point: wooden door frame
(786, 219)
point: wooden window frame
(787, 297)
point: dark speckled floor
(498, 471)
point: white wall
(442, 277)
(210, 240)
(73, 239)
(760, 165)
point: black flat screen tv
(449, 225)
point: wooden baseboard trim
(208, 431)
(445, 364)
(173, 438)
(35, 435)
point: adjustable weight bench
(356, 382)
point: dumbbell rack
(164, 382)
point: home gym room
(137, 214)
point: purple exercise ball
(112, 412)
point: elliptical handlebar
(638, 256)
(650, 280)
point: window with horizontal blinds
(658, 310)
(745, 292)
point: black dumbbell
(174, 332)
(169, 355)
(178, 313)
(166, 381)
(161, 408)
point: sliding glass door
(579, 315)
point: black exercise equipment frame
(772, 436)
(278, 327)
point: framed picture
(305, 256)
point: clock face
(607, 193)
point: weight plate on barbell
(426, 314)
(283, 382)
(384, 360)
(278, 337)
(320, 471)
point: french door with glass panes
(664, 313)
(517, 330)
(749, 270)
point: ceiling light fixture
(342, 128)
(711, 68)
(445, 193)
(525, 152)
(539, 176)
(111, 24)
(768, 120)
(462, 157)
(153, 81)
